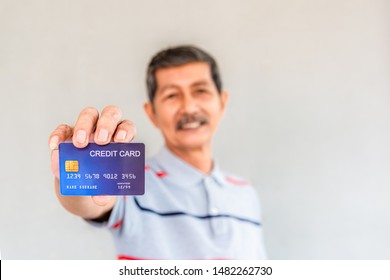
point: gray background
(308, 120)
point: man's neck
(198, 158)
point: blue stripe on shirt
(167, 214)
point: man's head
(178, 56)
(186, 101)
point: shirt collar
(181, 172)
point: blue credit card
(112, 169)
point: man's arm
(90, 127)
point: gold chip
(72, 166)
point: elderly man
(191, 209)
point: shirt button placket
(217, 224)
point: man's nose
(189, 104)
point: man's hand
(90, 127)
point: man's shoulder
(236, 180)
(231, 178)
(239, 185)
(152, 168)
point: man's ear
(224, 99)
(149, 110)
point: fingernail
(81, 136)
(54, 142)
(121, 135)
(103, 135)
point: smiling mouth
(191, 122)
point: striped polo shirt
(186, 214)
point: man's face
(187, 106)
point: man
(191, 209)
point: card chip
(72, 166)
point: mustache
(191, 118)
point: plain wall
(308, 120)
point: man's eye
(171, 96)
(201, 90)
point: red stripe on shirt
(125, 257)
(161, 174)
(147, 167)
(237, 182)
(117, 224)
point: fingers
(125, 132)
(107, 125)
(62, 133)
(90, 127)
(85, 126)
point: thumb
(101, 200)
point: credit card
(112, 169)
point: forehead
(183, 75)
